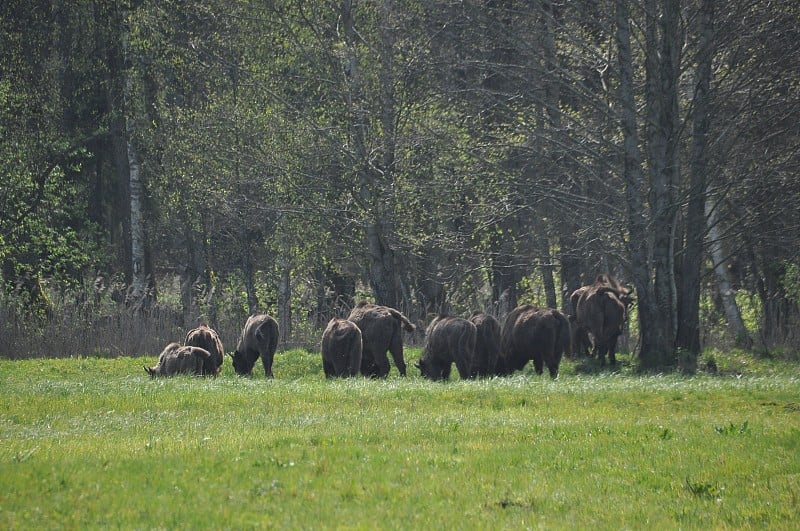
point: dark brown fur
(601, 309)
(259, 339)
(341, 348)
(581, 343)
(175, 359)
(207, 338)
(448, 340)
(487, 347)
(539, 334)
(381, 331)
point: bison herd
(478, 346)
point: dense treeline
(178, 161)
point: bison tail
(404, 322)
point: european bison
(259, 339)
(176, 359)
(448, 340)
(601, 309)
(381, 330)
(581, 342)
(539, 334)
(207, 338)
(487, 347)
(341, 348)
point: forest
(168, 163)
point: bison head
(241, 364)
(430, 370)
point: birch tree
(140, 294)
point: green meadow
(88, 443)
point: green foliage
(704, 489)
(750, 308)
(477, 135)
(734, 429)
(791, 282)
(111, 447)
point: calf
(176, 359)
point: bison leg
(463, 367)
(583, 343)
(396, 349)
(538, 364)
(601, 349)
(381, 365)
(327, 367)
(266, 360)
(612, 351)
(553, 363)
(368, 366)
(353, 362)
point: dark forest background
(168, 163)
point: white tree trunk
(285, 302)
(727, 293)
(139, 279)
(138, 289)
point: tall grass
(95, 443)
(95, 321)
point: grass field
(95, 443)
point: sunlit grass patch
(98, 443)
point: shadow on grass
(591, 365)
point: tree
(688, 332)
(44, 232)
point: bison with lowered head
(448, 340)
(601, 309)
(176, 359)
(381, 330)
(539, 334)
(208, 339)
(487, 346)
(259, 339)
(341, 348)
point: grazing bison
(601, 309)
(207, 338)
(259, 339)
(341, 348)
(540, 334)
(448, 340)
(487, 347)
(176, 359)
(381, 330)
